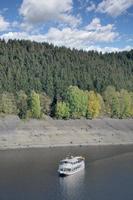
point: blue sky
(103, 25)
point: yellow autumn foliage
(94, 106)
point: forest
(39, 79)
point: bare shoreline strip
(17, 134)
(56, 146)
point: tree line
(77, 103)
(25, 106)
(27, 66)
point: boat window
(63, 162)
(67, 169)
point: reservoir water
(31, 174)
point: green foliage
(111, 98)
(22, 104)
(8, 103)
(102, 110)
(45, 103)
(125, 104)
(77, 100)
(62, 110)
(35, 105)
(115, 106)
(77, 104)
(131, 111)
(118, 104)
(28, 66)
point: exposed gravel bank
(15, 133)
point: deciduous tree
(35, 105)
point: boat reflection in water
(71, 186)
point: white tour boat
(71, 165)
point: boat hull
(62, 173)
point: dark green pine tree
(28, 66)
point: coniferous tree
(28, 66)
(22, 104)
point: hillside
(26, 65)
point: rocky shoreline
(15, 133)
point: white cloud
(109, 49)
(67, 41)
(95, 25)
(81, 38)
(40, 11)
(71, 37)
(26, 26)
(114, 7)
(4, 25)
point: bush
(62, 110)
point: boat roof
(71, 159)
